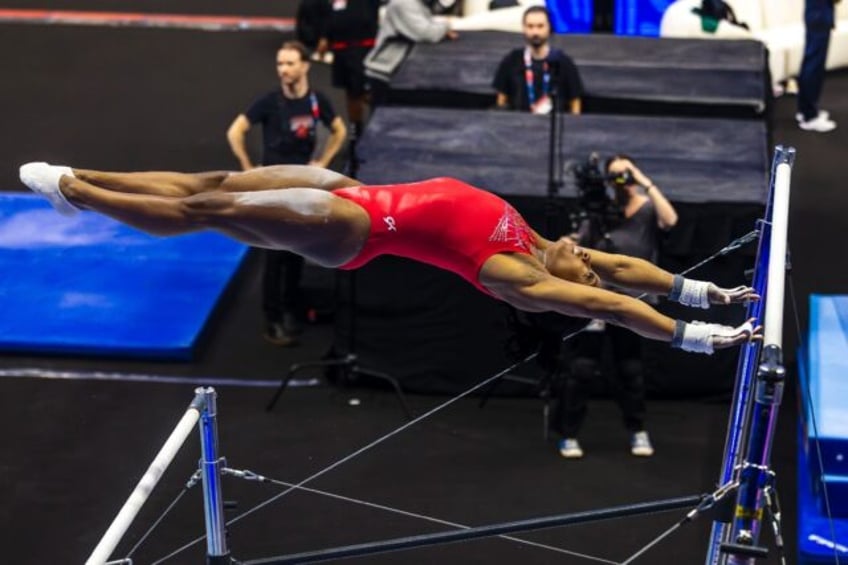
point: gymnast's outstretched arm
(644, 276)
(574, 299)
(629, 272)
(637, 274)
(535, 291)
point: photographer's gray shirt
(637, 236)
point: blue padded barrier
(88, 285)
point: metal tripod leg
(350, 367)
(393, 382)
(290, 375)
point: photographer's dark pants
(281, 290)
(585, 366)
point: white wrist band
(690, 292)
(701, 337)
(696, 338)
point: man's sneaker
(291, 325)
(818, 124)
(823, 114)
(276, 334)
(640, 444)
(570, 448)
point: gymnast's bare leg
(173, 184)
(311, 222)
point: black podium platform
(694, 160)
(436, 333)
(620, 74)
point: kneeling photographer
(621, 211)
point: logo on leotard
(390, 223)
(512, 228)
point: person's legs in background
(583, 359)
(627, 350)
(308, 22)
(281, 296)
(811, 81)
(293, 300)
(355, 92)
(349, 74)
(378, 92)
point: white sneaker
(570, 448)
(326, 58)
(640, 444)
(818, 124)
(823, 114)
(43, 179)
(791, 86)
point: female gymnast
(338, 222)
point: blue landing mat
(823, 370)
(89, 285)
(828, 366)
(816, 545)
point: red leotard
(442, 222)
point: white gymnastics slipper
(43, 179)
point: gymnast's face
(565, 260)
(291, 68)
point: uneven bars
(755, 472)
(739, 419)
(148, 482)
(491, 530)
(773, 322)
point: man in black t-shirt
(527, 79)
(289, 116)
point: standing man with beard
(528, 78)
(645, 214)
(289, 116)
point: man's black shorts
(348, 70)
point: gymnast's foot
(43, 179)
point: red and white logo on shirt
(301, 126)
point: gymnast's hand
(701, 294)
(723, 337)
(718, 295)
(702, 337)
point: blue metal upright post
(737, 425)
(736, 543)
(210, 468)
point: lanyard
(313, 104)
(314, 109)
(528, 77)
